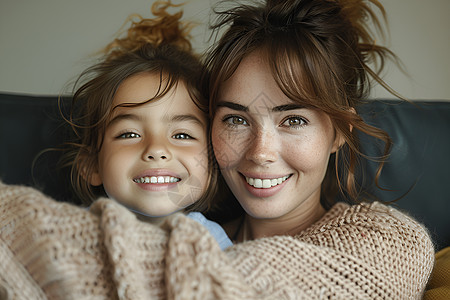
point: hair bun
(164, 29)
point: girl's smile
(157, 180)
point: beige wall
(44, 44)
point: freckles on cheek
(304, 154)
(225, 155)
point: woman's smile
(265, 186)
(266, 182)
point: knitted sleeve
(358, 252)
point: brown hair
(161, 46)
(318, 51)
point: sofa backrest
(30, 125)
(418, 170)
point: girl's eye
(182, 136)
(294, 121)
(235, 120)
(129, 135)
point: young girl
(142, 124)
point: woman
(284, 82)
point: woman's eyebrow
(233, 106)
(287, 107)
(279, 108)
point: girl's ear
(339, 139)
(95, 179)
(88, 168)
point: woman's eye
(129, 135)
(235, 120)
(182, 136)
(294, 121)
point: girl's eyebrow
(174, 118)
(279, 108)
(123, 116)
(186, 117)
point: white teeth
(258, 183)
(157, 179)
(265, 183)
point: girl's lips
(157, 180)
(156, 173)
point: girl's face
(154, 156)
(272, 152)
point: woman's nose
(156, 150)
(263, 148)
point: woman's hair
(319, 53)
(160, 46)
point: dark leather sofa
(418, 171)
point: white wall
(45, 44)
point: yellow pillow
(439, 285)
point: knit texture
(52, 250)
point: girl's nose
(156, 150)
(263, 148)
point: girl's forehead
(137, 97)
(139, 88)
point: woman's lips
(265, 186)
(266, 183)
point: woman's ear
(339, 138)
(339, 141)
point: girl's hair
(318, 51)
(161, 46)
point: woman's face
(272, 152)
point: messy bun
(164, 29)
(359, 13)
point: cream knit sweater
(52, 250)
